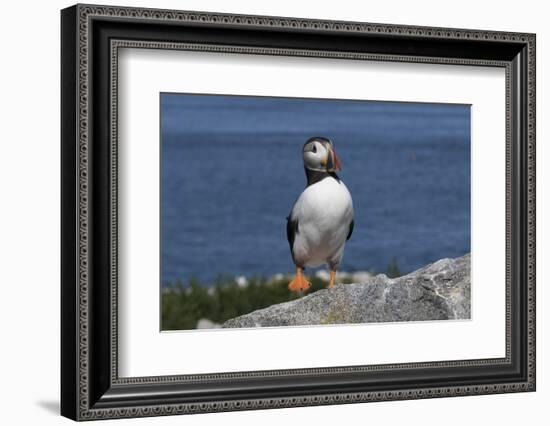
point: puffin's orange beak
(333, 161)
(337, 162)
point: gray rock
(439, 291)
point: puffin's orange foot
(332, 278)
(299, 282)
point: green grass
(393, 271)
(184, 304)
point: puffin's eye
(314, 150)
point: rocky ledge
(438, 291)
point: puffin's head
(319, 155)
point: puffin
(321, 220)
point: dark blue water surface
(232, 169)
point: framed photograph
(263, 212)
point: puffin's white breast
(324, 212)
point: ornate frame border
(85, 409)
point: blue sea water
(232, 168)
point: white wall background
(29, 211)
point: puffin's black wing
(291, 231)
(350, 229)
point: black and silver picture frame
(100, 128)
